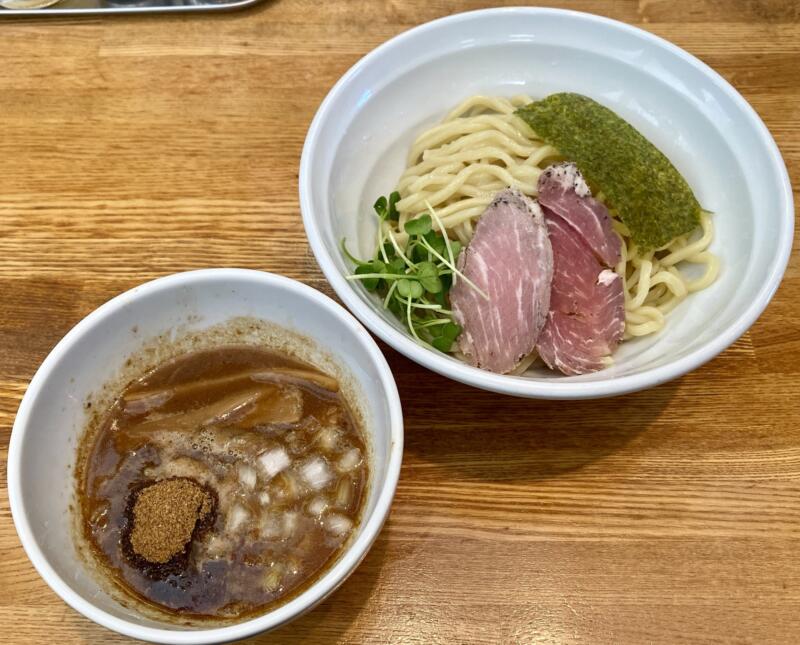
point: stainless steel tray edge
(200, 6)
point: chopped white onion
(316, 473)
(317, 506)
(272, 579)
(292, 566)
(350, 460)
(274, 461)
(290, 522)
(338, 524)
(247, 476)
(217, 546)
(327, 438)
(271, 526)
(236, 517)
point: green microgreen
(393, 199)
(428, 276)
(413, 280)
(409, 288)
(419, 226)
(453, 268)
(386, 209)
(371, 274)
(446, 337)
(399, 251)
(444, 238)
(349, 255)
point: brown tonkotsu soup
(223, 481)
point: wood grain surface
(133, 148)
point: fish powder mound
(164, 517)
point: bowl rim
(284, 613)
(551, 388)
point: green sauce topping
(647, 192)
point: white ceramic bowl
(356, 146)
(43, 441)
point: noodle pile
(481, 148)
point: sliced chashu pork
(586, 320)
(564, 192)
(510, 259)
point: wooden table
(133, 148)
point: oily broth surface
(290, 479)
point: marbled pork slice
(587, 305)
(510, 259)
(563, 191)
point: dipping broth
(223, 481)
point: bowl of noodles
(545, 203)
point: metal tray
(103, 7)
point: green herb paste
(641, 185)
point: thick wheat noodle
(445, 133)
(524, 364)
(416, 200)
(462, 234)
(481, 148)
(483, 137)
(431, 163)
(480, 175)
(642, 285)
(496, 104)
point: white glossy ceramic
(356, 147)
(51, 417)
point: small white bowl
(357, 143)
(51, 417)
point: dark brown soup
(223, 481)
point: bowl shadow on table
(331, 620)
(453, 431)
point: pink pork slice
(563, 191)
(509, 259)
(586, 320)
